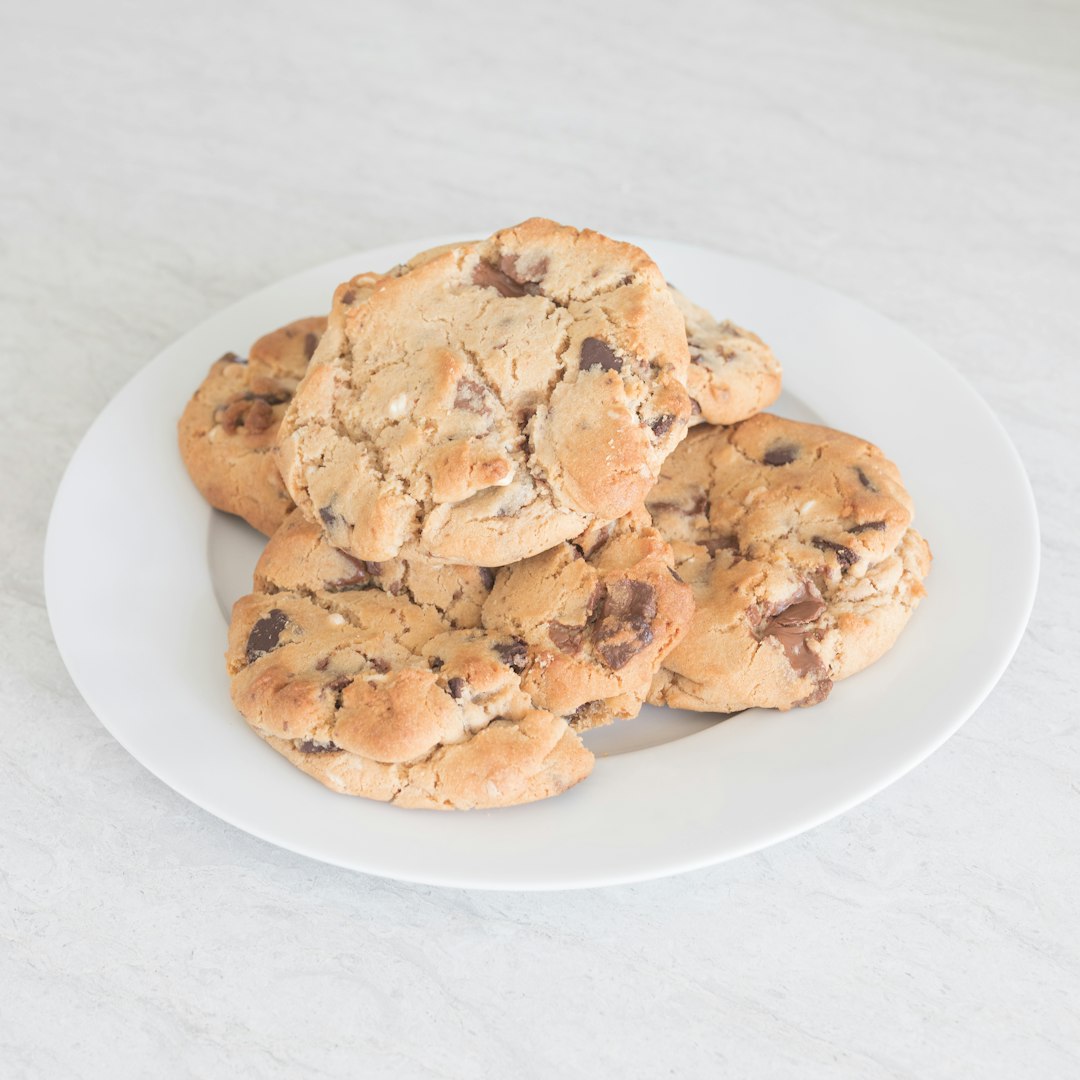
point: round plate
(139, 573)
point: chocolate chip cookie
(733, 373)
(493, 402)
(377, 679)
(596, 615)
(229, 428)
(797, 542)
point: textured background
(159, 164)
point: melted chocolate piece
(844, 555)
(310, 341)
(567, 639)
(357, 580)
(596, 353)
(625, 624)
(781, 454)
(513, 654)
(869, 526)
(790, 623)
(662, 424)
(309, 746)
(502, 278)
(265, 634)
(456, 686)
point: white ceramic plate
(140, 573)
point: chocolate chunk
(379, 664)
(596, 353)
(625, 624)
(360, 578)
(435, 662)
(456, 686)
(309, 746)
(781, 454)
(322, 663)
(487, 576)
(310, 341)
(513, 654)
(662, 424)
(472, 396)
(675, 574)
(339, 683)
(232, 358)
(488, 276)
(844, 555)
(348, 297)
(265, 634)
(869, 526)
(865, 481)
(329, 518)
(790, 623)
(567, 639)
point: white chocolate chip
(337, 620)
(396, 409)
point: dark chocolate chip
(790, 623)
(232, 358)
(844, 555)
(310, 341)
(339, 683)
(487, 576)
(675, 574)
(456, 686)
(513, 654)
(309, 746)
(596, 353)
(357, 580)
(869, 526)
(348, 297)
(662, 424)
(625, 625)
(329, 518)
(435, 662)
(379, 664)
(781, 454)
(865, 481)
(322, 664)
(265, 634)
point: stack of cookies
(516, 488)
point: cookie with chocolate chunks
(377, 679)
(797, 542)
(595, 616)
(228, 430)
(492, 403)
(733, 374)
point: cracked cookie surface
(797, 542)
(228, 430)
(378, 680)
(493, 402)
(733, 373)
(595, 615)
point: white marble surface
(159, 163)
